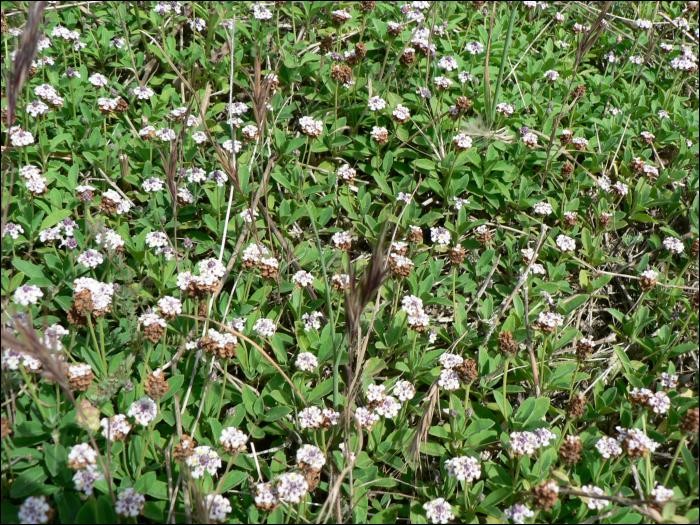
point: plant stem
(505, 401)
(675, 458)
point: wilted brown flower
(327, 43)
(570, 450)
(695, 248)
(577, 405)
(579, 91)
(456, 255)
(468, 370)
(80, 377)
(565, 137)
(184, 449)
(6, 427)
(108, 205)
(507, 344)
(408, 57)
(153, 332)
(463, 104)
(312, 477)
(122, 105)
(584, 349)
(415, 235)
(637, 165)
(567, 169)
(268, 268)
(341, 74)
(690, 421)
(545, 495)
(368, 5)
(156, 386)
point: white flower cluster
(306, 362)
(525, 443)
(143, 410)
(265, 327)
(218, 507)
(101, 293)
(404, 390)
(312, 321)
(115, 426)
(464, 468)
(674, 245)
(518, 513)
(204, 459)
(123, 205)
(292, 487)
(109, 239)
(130, 504)
(27, 294)
(595, 503)
(311, 127)
(438, 511)
(90, 258)
(311, 456)
(233, 439)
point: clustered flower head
(27, 294)
(525, 443)
(143, 410)
(674, 245)
(130, 504)
(636, 442)
(233, 440)
(306, 362)
(35, 509)
(218, 507)
(549, 321)
(595, 503)
(115, 428)
(204, 459)
(313, 128)
(464, 468)
(518, 513)
(292, 487)
(438, 511)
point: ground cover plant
(378, 262)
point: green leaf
(385, 516)
(29, 269)
(276, 413)
(55, 217)
(28, 482)
(531, 411)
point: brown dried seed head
(579, 91)
(545, 495)
(485, 237)
(584, 349)
(327, 43)
(75, 318)
(80, 383)
(122, 105)
(565, 138)
(456, 255)
(361, 50)
(647, 283)
(570, 449)
(507, 344)
(695, 300)
(368, 5)
(637, 165)
(341, 74)
(415, 235)
(468, 371)
(567, 169)
(184, 449)
(690, 421)
(6, 428)
(153, 332)
(267, 270)
(407, 58)
(571, 219)
(156, 386)
(82, 302)
(312, 477)
(695, 248)
(577, 405)
(108, 205)
(463, 104)
(396, 31)
(604, 219)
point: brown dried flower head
(567, 169)
(463, 104)
(268, 268)
(6, 427)
(545, 495)
(327, 43)
(565, 137)
(184, 449)
(468, 371)
(695, 248)
(584, 349)
(579, 91)
(690, 421)
(368, 5)
(80, 377)
(408, 57)
(507, 345)
(577, 405)
(637, 165)
(415, 235)
(153, 332)
(341, 74)
(456, 255)
(156, 386)
(570, 450)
